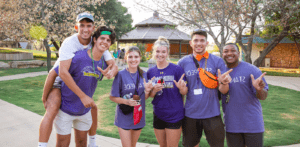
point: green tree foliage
(215, 49)
(282, 21)
(38, 32)
(115, 16)
(142, 47)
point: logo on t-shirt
(195, 72)
(88, 71)
(238, 79)
(131, 86)
(168, 81)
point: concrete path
(20, 127)
(286, 82)
(25, 75)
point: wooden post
(187, 49)
(179, 49)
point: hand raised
(180, 84)
(148, 86)
(158, 87)
(224, 78)
(107, 72)
(258, 84)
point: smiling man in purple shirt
(202, 108)
(241, 106)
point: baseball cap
(84, 15)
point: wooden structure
(286, 53)
(150, 29)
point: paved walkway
(287, 82)
(20, 127)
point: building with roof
(150, 29)
(286, 53)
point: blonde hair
(161, 41)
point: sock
(92, 140)
(42, 144)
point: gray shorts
(57, 83)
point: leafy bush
(142, 47)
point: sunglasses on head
(200, 30)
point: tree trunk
(55, 45)
(118, 44)
(271, 46)
(243, 47)
(48, 54)
(17, 44)
(221, 46)
(294, 37)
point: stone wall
(24, 64)
(284, 55)
(16, 56)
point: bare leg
(93, 128)
(53, 105)
(135, 135)
(80, 138)
(161, 137)
(125, 137)
(173, 136)
(63, 140)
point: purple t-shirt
(206, 103)
(124, 83)
(243, 112)
(169, 105)
(86, 79)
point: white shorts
(63, 122)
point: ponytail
(140, 71)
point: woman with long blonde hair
(169, 88)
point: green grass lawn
(143, 64)
(281, 110)
(13, 71)
(174, 60)
(6, 51)
(273, 73)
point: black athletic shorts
(133, 129)
(160, 124)
(213, 128)
(244, 139)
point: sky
(137, 14)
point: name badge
(197, 91)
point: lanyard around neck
(197, 64)
(101, 75)
(198, 68)
(137, 82)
